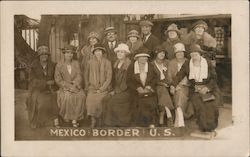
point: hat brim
(99, 48)
(133, 35)
(142, 55)
(177, 31)
(113, 30)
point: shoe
(151, 126)
(75, 125)
(56, 123)
(170, 122)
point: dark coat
(143, 108)
(41, 102)
(151, 44)
(206, 111)
(169, 47)
(110, 54)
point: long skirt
(145, 113)
(164, 98)
(206, 112)
(94, 104)
(71, 105)
(42, 107)
(118, 110)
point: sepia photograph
(128, 76)
(125, 77)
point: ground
(24, 132)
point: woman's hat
(94, 35)
(172, 27)
(196, 48)
(159, 49)
(109, 29)
(43, 50)
(142, 52)
(99, 47)
(146, 23)
(69, 48)
(200, 23)
(122, 47)
(133, 33)
(179, 47)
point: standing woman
(164, 100)
(118, 112)
(134, 42)
(203, 93)
(70, 97)
(141, 81)
(97, 77)
(85, 53)
(41, 102)
(180, 97)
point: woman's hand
(112, 93)
(172, 89)
(140, 90)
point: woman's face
(68, 55)
(44, 58)
(195, 55)
(92, 41)
(132, 39)
(172, 34)
(98, 53)
(161, 55)
(146, 29)
(121, 54)
(199, 30)
(142, 60)
(179, 55)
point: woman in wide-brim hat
(165, 103)
(203, 88)
(41, 102)
(97, 77)
(134, 42)
(141, 80)
(173, 36)
(118, 102)
(70, 97)
(180, 97)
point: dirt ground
(24, 132)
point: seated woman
(180, 97)
(141, 80)
(203, 96)
(118, 110)
(97, 77)
(41, 102)
(164, 100)
(70, 97)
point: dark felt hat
(200, 23)
(142, 52)
(100, 47)
(69, 48)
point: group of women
(135, 90)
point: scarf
(202, 73)
(137, 70)
(161, 69)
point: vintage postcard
(142, 78)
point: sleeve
(213, 77)
(109, 76)
(86, 75)
(131, 82)
(35, 82)
(181, 74)
(59, 79)
(78, 79)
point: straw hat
(142, 52)
(109, 29)
(172, 27)
(146, 23)
(93, 35)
